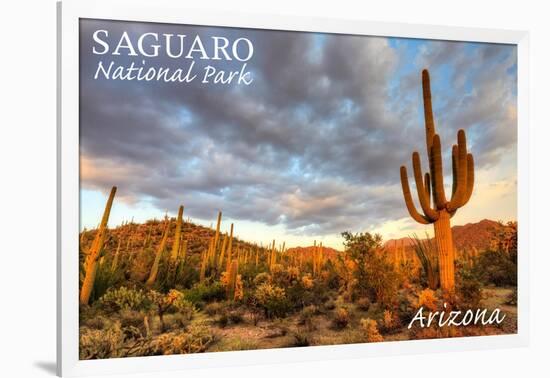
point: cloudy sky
(310, 149)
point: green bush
(469, 291)
(374, 275)
(124, 298)
(497, 268)
(272, 300)
(262, 278)
(202, 293)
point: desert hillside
(471, 235)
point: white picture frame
(69, 13)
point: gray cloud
(315, 143)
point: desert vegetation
(172, 286)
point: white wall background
(27, 186)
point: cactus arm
(423, 196)
(470, 181)
(428, 113)
(461, 173)
(408, 199)
(217, 237)
(436, 166)
(455, 164)
(427, 184)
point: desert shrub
(272, 300)
(330, 304)
(105, 278)
(427, 254)
(214, 308)
(164, 303)
(363, 304)
(370, 331)
(115, 341)
(184, 307)
(427, 299)
(196, 339)
(512, 298)
(373, 275)
(141, 264)
(236, 317)
(293, 273)
(417, 332)
(223, 320)
(332, 278)
(307, 317)
(469, 293)
(226, 316)
(186, 274)
(497, 268)
(95, 322)
(389, 322)
(284, 277)
(176, 321)
(236, 343)
(124, 298)
(262, 278)
(95, 343)
(341, 318)
(300, 340)
(201, 293)
(406, 308)
(307, 291)
(131, 318)
(307, 281)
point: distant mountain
(472, 235)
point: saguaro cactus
(160, 250)
(232, 274)
(229, 248)
(436, 208)
(177, 237)
(94, 252)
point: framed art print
(285, 189)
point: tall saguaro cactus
(95, 251)
(177, 237)
(436, 208)
(160, 250)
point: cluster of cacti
(436, 208)
(163, 269)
